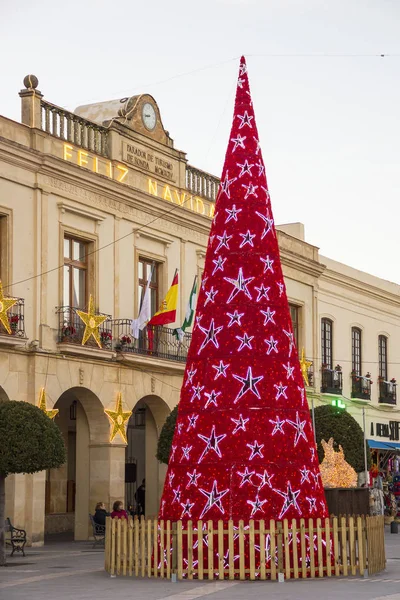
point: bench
(99, 532)
(17, 538)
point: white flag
(145, 311)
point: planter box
(347, 501)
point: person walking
(140, 498)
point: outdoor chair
(99, 532)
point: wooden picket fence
(338, 546)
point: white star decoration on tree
(305, 475)
(223, 241)
(255, 450)
(250, 190)
(212, 443)
(289, 371)
(197, 389)
(272, 345)
(267, 264)
(192, 421)
(257, 505)
(190, 374)
(290, 498)
(245, 168)
(247, 239)
(246, 476)
(213, 499)
(245, 120)
(262, 292)
(292, 343)
(193, 477)
(212, 398)
(210, 296)
(240, 424)
(210, 335)
(225, 185)
(280, 391)
(268, 222)
(221, 369)
(245, 341)
(313, 503)
(238, 141)
(186, 452)
(219, 264)
(269, 316)
(232, 213)
(235, 318)
(187, 506)
(249, 384)
(278, 425)
(265, 480)
(299, 426)
(177, 494)
(239, 285)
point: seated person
(118, 510)
(100, 514)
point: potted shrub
(14, 323)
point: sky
(327, 104)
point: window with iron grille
(327, 342)
(356, 351)
(75, 284)
(383, 357)
(294, 315)
(144, 269)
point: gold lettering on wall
(194, 203)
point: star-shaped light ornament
(5, 305)
(304, 366)
(43, 407)
(239, 285)
(92, 323)
(290, 499)
(119, 419)
(214, 498)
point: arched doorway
(69, 489)
(3, 395)
(144, 428)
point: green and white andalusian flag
(191, 306)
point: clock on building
(149, 116)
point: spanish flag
(167, 311)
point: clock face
(149, 116)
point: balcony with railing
(201, 183)
(71, 329)
(331, 380)
(154, 341)
(387, 391)
(16, 320)
(361, 386)
(76, 130)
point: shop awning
(383, 445)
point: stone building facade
(90, 200)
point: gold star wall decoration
(118, 419)
(92, 323)
(42, 405)
(304, 366)
(5, 305)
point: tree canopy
(166, 435)
(29, 440)
(336, 423)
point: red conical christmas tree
(243, 446)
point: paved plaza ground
(74, 570)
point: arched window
(383, 357)
(327, 343)
(356, 363)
